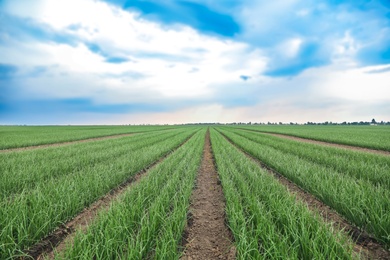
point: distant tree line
(372, 122)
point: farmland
(157, 168)
(17, 136)
(375, 137)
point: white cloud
(332, 93)
(166, 56)
(176, 63)
(355, 84)
(344, 49)
(303, 12)
(290, 47)
(205, 113)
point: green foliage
(148, 220)
(375, 137)
(22, 136)
(361, 165)
(358, 199)
(43, 188)
(266, 220)
(61, 186)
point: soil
(306, 140)
(206, 235)
(64, 234)
(62, 143)
(365, 245)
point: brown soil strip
(33, 147)
(306, 140)
(366, 245)
(64, 235)
(206, 235)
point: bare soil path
(63, 235)
(306, 140)
(206, 235)
(33, 147)
(365, 244)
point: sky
(191, 61)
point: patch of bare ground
(365, 245)
(33, 147)
(63, 235)
(306, 140)
(206, 235)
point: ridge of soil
(57, 240)
(312, 141)
(33, 147)
(206, 235)
(365, 244)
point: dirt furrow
(365, 244)
(63, 235)
(311, 141)
(206, 235)
(33, 147)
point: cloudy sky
(143, 61)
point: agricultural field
(375, 137)
(148, 195)
(22, 136)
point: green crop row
(147, 221)
(22, 136)
(23, 170)
(33, 213)
(375, 137)
(359, 201)
(266, 220)
(361, 165)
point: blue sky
(141, 61)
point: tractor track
(207, 236)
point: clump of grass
(148, 220)
(266, 220)
(359, 200)
(362, 136)
(64, 185)
(24, 136)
